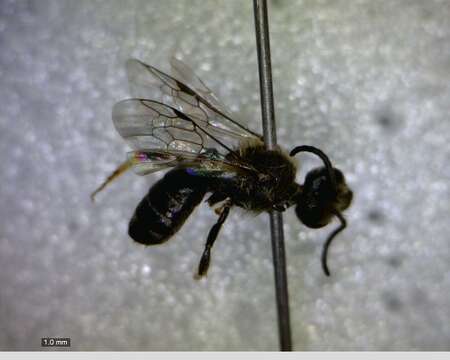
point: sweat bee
(188, 131)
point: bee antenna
(329, 240)
(321, 154)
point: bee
(187, 130)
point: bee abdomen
(166, 207)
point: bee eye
(338, 175)
(318, 186)
(312, 216)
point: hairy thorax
(272, 182)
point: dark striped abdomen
(166, 207)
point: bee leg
(126, 165)
(280, 207)
(212, 236)
(216, 198)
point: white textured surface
(366, 81)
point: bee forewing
(219, 115)
(185, 74)
(147, 82)
(186, 92)
(147, 124)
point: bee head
(320, 200)
(324, 195)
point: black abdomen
(166, 207)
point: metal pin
(270, 139)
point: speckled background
(366, 81)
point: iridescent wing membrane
(194, 129)
(187, 126)
(165, 137)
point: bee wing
(206, 97)
(187, 92)
(147, 124)
(148, 161)
(169, 133)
